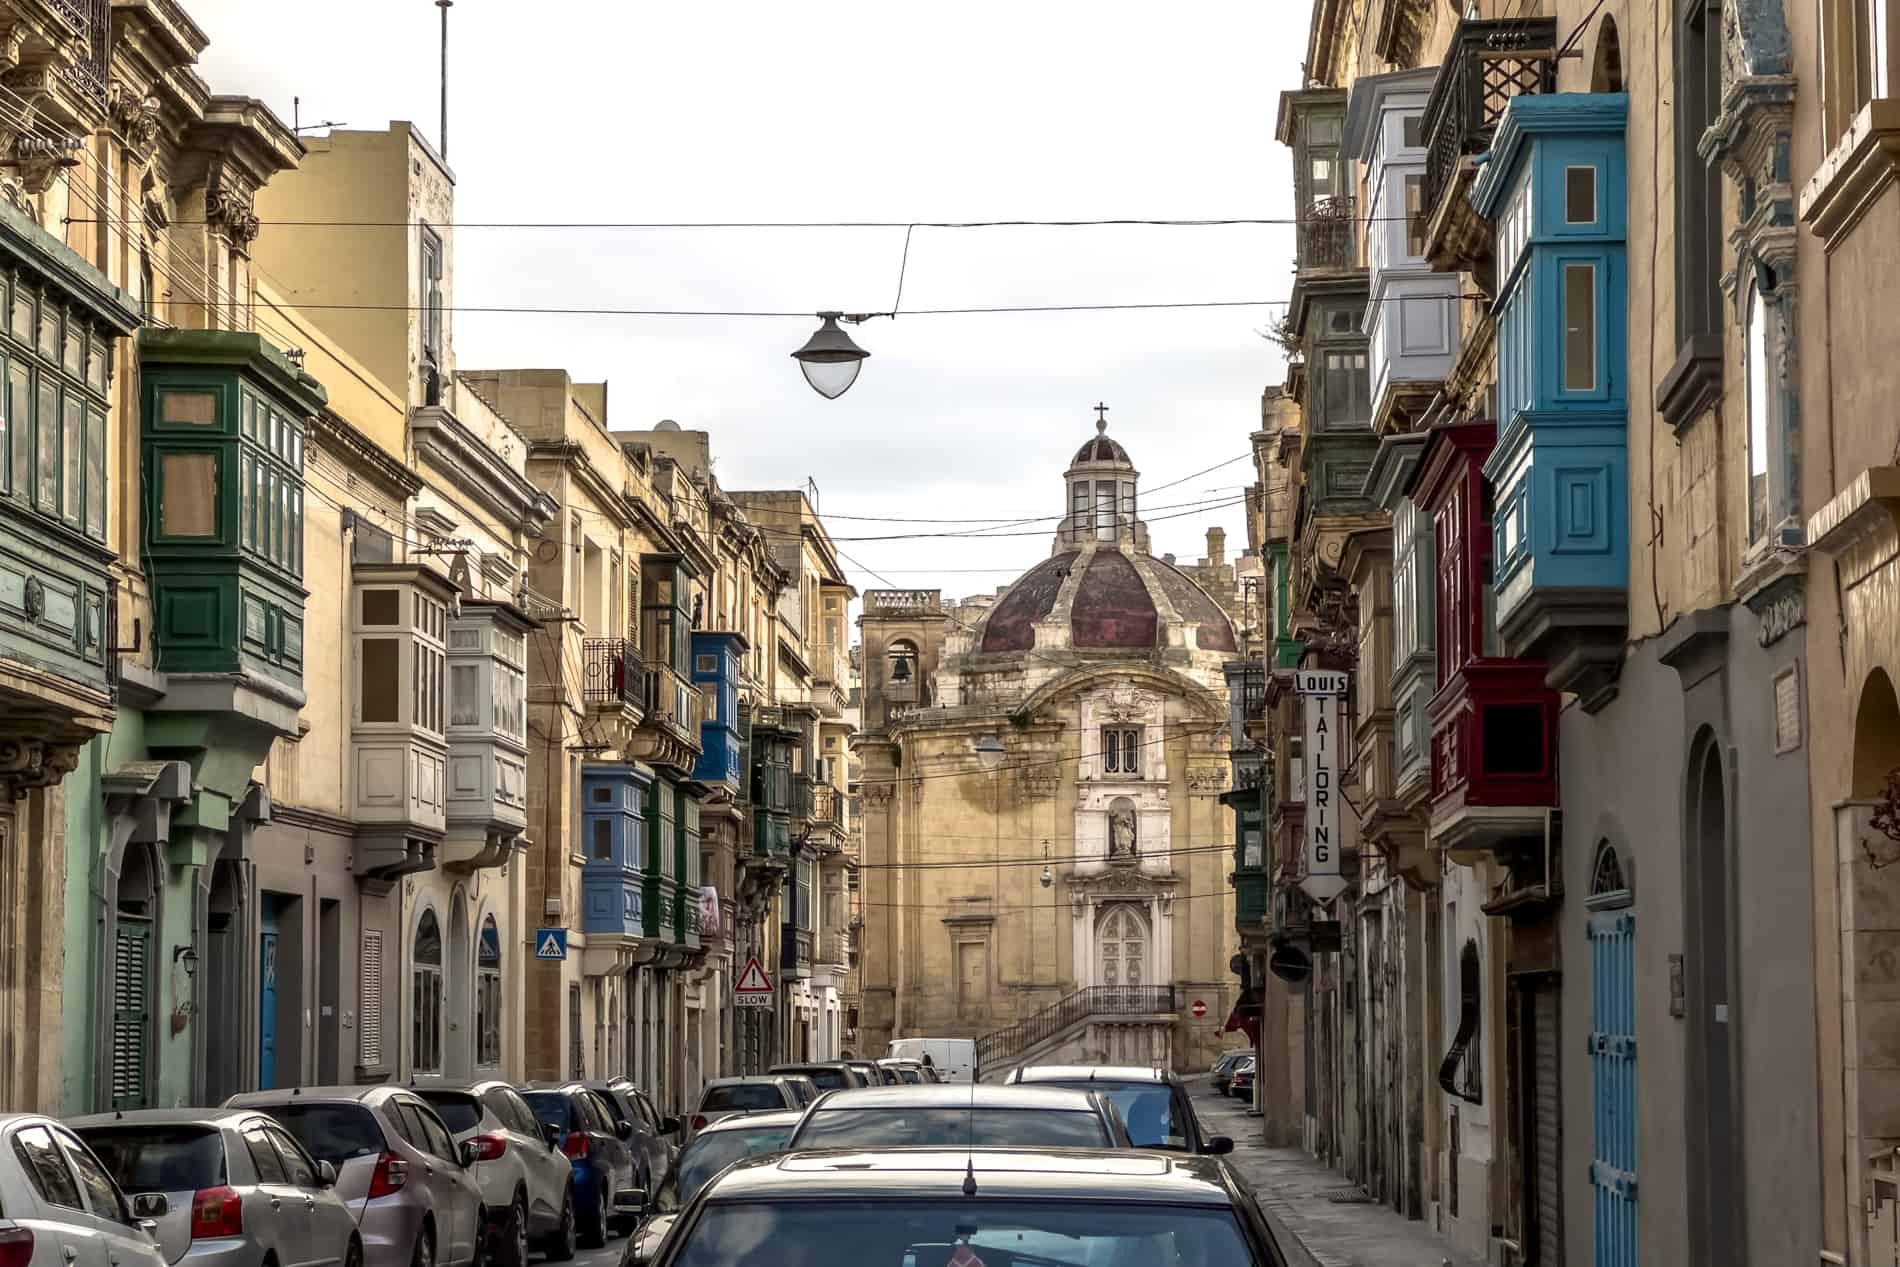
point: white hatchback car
(62, 1207)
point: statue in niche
(1121, 832)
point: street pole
(445, 6)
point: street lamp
(990, 751)
(830, 359)
(1048, 873)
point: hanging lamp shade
(829, 359)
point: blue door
(267, 998)
(1613, 1082)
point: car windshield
(331, 1132)
(159, 1158)
(951, 1127)
(1147, 1109)
(711, 1153)
(458, 1112)
(894, 1232)
(742, 1097)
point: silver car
(62, 1208)
(238, 1189)
(410, 1187)
(753, 1093)
(527, 1181)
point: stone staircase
(1098, 1025)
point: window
(603, 840)
(1580, 327)
(1105, 510)
(46, 1167)
(465, 706)
(188, 495)
(20, 421)
(432, 326)
(1415, 216)
(1345, 390)
(425, 999)
(369, 1030)
(1580, 195)
(804, 894)
(488, 1005)
(1698, 201)
(1412, 131)
(576, 1049)
(297, 1164)
(188, 409)
(1461, 1073)
(270, 1167)
(1079, 510)
(380, 680)
(46, 419)
(1121, 750)
(1760, 405)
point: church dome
(1115, 599)
(1101, 449)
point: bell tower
(1099, 491)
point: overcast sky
(603, 110)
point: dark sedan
(998, 1207)
(830, 1075)
(1153, 1104)
(965, 1114)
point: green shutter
(131, 1013)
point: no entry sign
(1199, 1009)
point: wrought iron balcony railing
(824, 804)
(1329, 235)
(1490, 61)
(611, 672)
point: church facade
(1045, 849)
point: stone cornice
(1854, 174)
(573, 457)
(442, 437)
(335, 436)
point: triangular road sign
(753, 980)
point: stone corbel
(230, 201)
(26, 764)
(1859, 525)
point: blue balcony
(716, 662)
(614, 841)
(1554, 187)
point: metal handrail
(1072, 1009)
(611, 671)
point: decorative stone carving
(26, 764)
(1040, 784)
(876, 794)
(134, 116)
(1207, 778)
(1126, 705)
(1122, 831)
(229, 202)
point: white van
(954, 1059)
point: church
(1045, 853)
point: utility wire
(805, 315)
(1126, 222)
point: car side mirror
(623, 1129)
(551, 1133)
(1220, 1146)
(467, 1153)
(150, 1206)
(326, 1174)
(638, 1199)
(669, 1126)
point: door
(267, 1005)
(328, 1221)
(1612, 1048)
(282, 1222)
(973, 977)
(63, 1216)
(1123, 943)
(615, 1154)
(450, 1189)
(124, 1241)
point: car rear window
(829, 1079)
(159, 1158)
(950, 1127)
(550, 1107)
(742, 1097)
(1146, 1108)
(910, 1076)
(458, 1112)
(331, 1132)
(895, 1231)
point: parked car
(652, 1152)
(976, 1115)
(807, 1090)
(597, 1142)
(754, 1093)
(1240, 1081)
(869, 1071)
(908, 1072)
(397, 1168)
(59, 1207)
(238, 1189)
(994, 1206)
(1223, 1072)
(527, 1181)
(954, 1059)
(1152, 1102)
(710, 1152)
(829, 1075)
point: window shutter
(370, 1005)
(131, 962)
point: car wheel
(560, 1246)
(424, 1255)
(511, 1238)
(594, 1235)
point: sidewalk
(1300, 1199)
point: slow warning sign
(753, 988)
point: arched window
(1606, 73)
(1760, 414)
(488, 995)
(1606, 877)
(1461, 1073)
(901, 659)
(425, 1003)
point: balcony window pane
(73, 456)
(1580, 322)
(1346, 390)
(1413, 131)
(1414, 215)
(296, 531)
(381, 680)
(96, 473)
(603, 840)
(73, 353)
(49, 332)
(6, 425)
(20, 421)
(46, 494)
(1580, 195)
(22, 325)
(188, 495)
(465, 705)
(382, 607)
(188, 409)
(99, 365)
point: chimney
(1217, 546)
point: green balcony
(1251, 895)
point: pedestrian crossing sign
(753, 988)
(550, 943)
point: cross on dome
(1101, 418)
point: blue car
(608, 1198)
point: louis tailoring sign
(1320, 691)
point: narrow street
(1321, 1218)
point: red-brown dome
(1112, 604)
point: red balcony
(1494, 722)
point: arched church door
(1122, 942)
